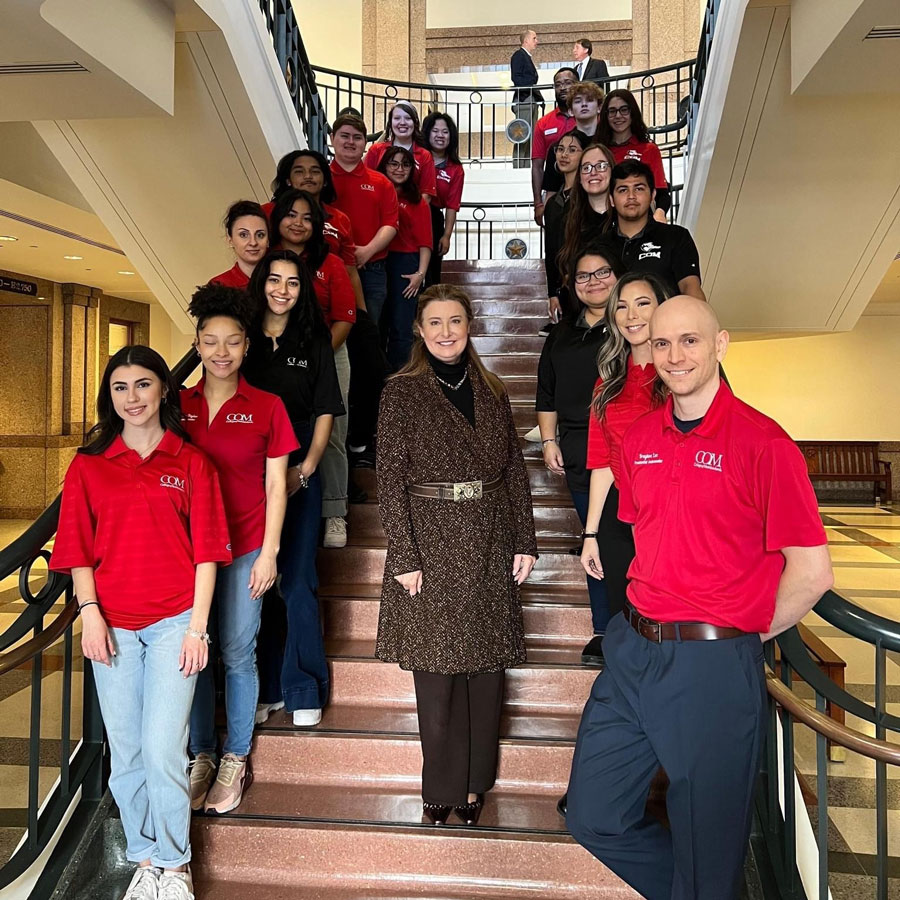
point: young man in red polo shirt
(730, 551)
(547, 131)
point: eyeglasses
(614, 111)
(599, 274)
(398, 164)
(588, 168)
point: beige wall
(471, 13)
(827, 387)
(332, 32)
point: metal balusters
(881, 824)
(822, 802)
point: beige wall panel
(22, 475)
(522, 14)
(332, 33)
(23, 369)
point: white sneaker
(176, 886)
(534, 436)
(144, 884)
(335, 532)
(307, 717)
(264, 710)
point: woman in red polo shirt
(442, 138)
(248, 435)
(627, 388)
(141, 530)
(622, 129)
(408, 255)
(298, 222)
(402, 130)
(247, 233)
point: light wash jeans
(334, 466)
(146, 704)
(234, 624)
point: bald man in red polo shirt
(730, 551)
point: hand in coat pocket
(411, 582)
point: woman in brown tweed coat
(450, 609)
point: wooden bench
(848, 461)
(833, 667)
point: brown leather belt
(456, 491)
(674, 631)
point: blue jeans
(234, 623)
(596, 589)
(374, 285)
(146, 704)
(400, 311)
(298, 673)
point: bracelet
(81, 606)
(548, 441)
(589, 534)
(200, 635)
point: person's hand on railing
(415, 282)
(96, 641)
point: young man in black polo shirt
(644, 244)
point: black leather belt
(456, 491)
(657, 632)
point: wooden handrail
(839, 734)
(27, 651)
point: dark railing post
(881, 825)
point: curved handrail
(429, 86)
(871, 747)
(859, 622)
(40, 642)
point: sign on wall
(16, 286)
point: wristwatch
(589, 534)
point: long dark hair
(612, 359)
(316, 247)
(306, 318)
(418, 359)
(409, 190)
(282, 180)
(580, 224)
(452, 151)
(109, 422)
(410, 110)
(605, 134)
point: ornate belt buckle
(467, 490)
(648, 624)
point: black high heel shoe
(470, 813)
(435, 813)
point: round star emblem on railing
(516, 248)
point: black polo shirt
(303, 376)
(567, 373)
(668, 251)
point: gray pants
(334, 468)
(530, 112)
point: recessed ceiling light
(124, 272)
(73, 257)
(7, 237)
(88, 270)
(33, 246)
(42, 298)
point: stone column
(79, 352)
(393, 39)
(664, 31)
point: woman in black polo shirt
(567, 372)
(290, 356)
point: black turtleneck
(463, 398)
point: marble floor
(864, 542)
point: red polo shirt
(332, 286)
(415, 228)
(647, 153)
(142, 525)
(605, 437)
(368, 200)
(450, 179)
(339, 235)
(711, 510)
(251, 426)
(425, 175)
(234, 277)
(548, 130)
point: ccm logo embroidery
(293, 361)
(240, 418)
(706, 460)
(172, 481)
(649, 249)
(367, 187)
(647, 459)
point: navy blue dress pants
(696, 708)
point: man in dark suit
(525, 101)
(588, 68)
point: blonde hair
(418, 361)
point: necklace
(453, 387)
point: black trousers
(696, 708)
(368, 370)
(616, 544)
(459, 727)
(433, 275)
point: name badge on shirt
(551, 131)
